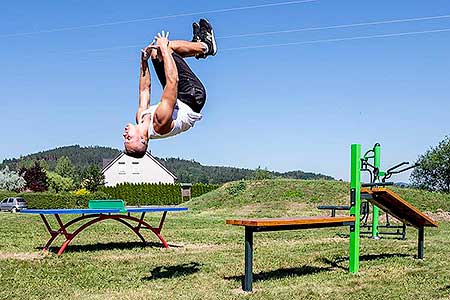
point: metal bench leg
(420, 243)
(248, 279)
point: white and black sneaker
(196, 32)
(206, 35)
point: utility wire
(416, 19)
(335, 26)
(214, 11)
(364, 37)
(339, 39)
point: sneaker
(196, 32)
(207, 36)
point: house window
(122, 168)
(135, 168)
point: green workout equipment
(376, 193)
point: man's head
(134, 141)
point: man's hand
(147, 51)
(161, 41)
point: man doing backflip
(183, 94)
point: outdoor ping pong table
(122, 215)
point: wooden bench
(278, 224)
(401, 209)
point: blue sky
(297, 106)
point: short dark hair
(135, 153)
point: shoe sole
(195, 37)
(213, 39)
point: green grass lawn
(206, 257)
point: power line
(415, 19)
(408, 33)
(335, 26)
(339, 39)
(214, 11)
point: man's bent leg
(187, 49)
(190, 89)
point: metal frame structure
(384, 198)
(93, 216)
(378, 178)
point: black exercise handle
(391, 171)
(405, 169)
(376, 184)
(396, 166)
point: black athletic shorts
(190, 89)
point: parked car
(13, 204)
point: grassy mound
(283, 197)
(205, 261)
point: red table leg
(141, 224)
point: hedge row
(145, 194)
(199, 189)
(51, 200)
(132, 194)
(154, 194)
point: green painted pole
(375, 209)
(355, 204)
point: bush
(433, 172)
(154, 194)
(236, 188)
(132, 194)
(10, 180)
(199, 189)
(81, 192)
(57, 183)
(47, 200)
(35, 177)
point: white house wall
(133, 170)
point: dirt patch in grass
(21, 256)
(202, 247)
(191, 248)
(439, 215)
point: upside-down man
(183, 94)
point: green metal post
(375, 209)
(355, 204)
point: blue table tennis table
(93, 216)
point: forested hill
(80, 157)
(192, 171)
(186, 170)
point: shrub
(154, 194)
(81, 192)
(433, 172)
(10, 180)
(236, 188)
(35, 177)
(57, 183)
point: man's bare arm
(144, 85)
(162, 121)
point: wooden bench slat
(291, 221)
(398, 207)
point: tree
(11, 181)
(28, 163)
(261, 174)
(35, 178)
(92, 178)
(64, 167)
(25, 163)
(433, 172)
(58, 183)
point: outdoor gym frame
(374, 192)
